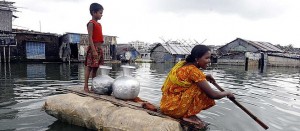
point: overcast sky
(216, 21)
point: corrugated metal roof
(177, 48)
(21, 31)
(263, 46)
(7, 6)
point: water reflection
(273, 95)
(60, 126)
(162, 68)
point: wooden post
(259, 63)
(4, 70)
(262, 62)
(69, 59)
(69, 46)
(9, 70)
(246, 63)
(0, 57)
(8, 54)
(4, 57)
(78, 49)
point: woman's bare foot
(191, 120)
(195, 120)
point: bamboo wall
(282, 61)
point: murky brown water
(273, 96)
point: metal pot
(102, 84)
(126, 87)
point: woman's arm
(204, 86)
(210, 78)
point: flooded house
(126, 53)
(171, 51)
(247, 52)
(33, 46)
(20, 45)
(74, 46)
(290, 57)
(143, 49)
(109, 47)
(144, 57)
(140, 46)
(7, 38)
(69, 49)
(284, 59)
(214, 53)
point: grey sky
(251, 9)
(218, 21)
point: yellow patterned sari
(181, 96)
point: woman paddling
(186, 91)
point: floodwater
(273, 96)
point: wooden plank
(101, 97)
(137, 106)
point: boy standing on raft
(94, 56)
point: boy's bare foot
(92, 89)
(86, 89)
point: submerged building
(239, 50)
(126, 53)
(170, 51)
(32, 46)
(24, 45)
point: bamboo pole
(244, 109)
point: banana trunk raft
(102, 112)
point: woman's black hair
(197, 52)
(94, 7)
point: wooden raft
(133, 105)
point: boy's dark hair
(94, 7)
(197, 52)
